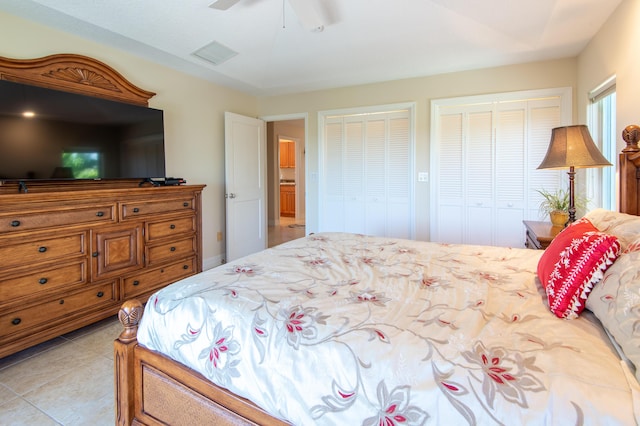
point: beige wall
(614, 51)
(560, 73)
(193, 112)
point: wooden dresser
(69, 258)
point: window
(600, 188)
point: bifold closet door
(366, 179)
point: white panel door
(245, 185)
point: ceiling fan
(305, 10)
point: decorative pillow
(616, 303)
(624, 226)
(574, 261)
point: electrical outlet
(219, 236)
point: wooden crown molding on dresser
(74, 73)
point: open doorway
(286, 180)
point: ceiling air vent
(215, 53)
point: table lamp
(572, 147)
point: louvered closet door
(544, 115)
(486, 176)
(365, 184)
(510, 173)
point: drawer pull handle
(16, 321)
(100, 294)
(185, 266)
(136, 210)
(94, 254)
(62, 301)
(185, 204)
(42, 249)
(15, 223)
(43, 280)
(100, 214)
(136, 282)
(172, 226)
(172, 249)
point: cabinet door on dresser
(115, 250)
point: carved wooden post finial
(129, 315)
(631, 135)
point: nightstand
(540, 234)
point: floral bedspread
(344, 329)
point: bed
(338, 328)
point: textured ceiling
(363, 41)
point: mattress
(338, 328)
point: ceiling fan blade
(223, 4)
(308, 14)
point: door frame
(275, 188)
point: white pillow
(616, 302)
(624, 226)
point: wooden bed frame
(153, 389)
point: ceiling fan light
(308, 15)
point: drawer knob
(100, 294)
(62, 301)
(136, 282)
(42, 249)
(185, 266)
(172, 226)
(94, 254)
(172, 249)
(16, 321)
(15, 223)
(43, 280)
(185, 204)
(136, 210)
(100, 214)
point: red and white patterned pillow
(574, 261)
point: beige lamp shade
(572, 146)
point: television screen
(50, 134)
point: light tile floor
(65, 381)
(69, 380)
(288, 229)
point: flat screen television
(72, 136)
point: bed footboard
(151, 389)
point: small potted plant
(556, 205)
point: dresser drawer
(21, 252)
(172, 250)
(135, 209)
(14, 222)
(166, 228)
(26, 319)
(153, 279)
(35, 284)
